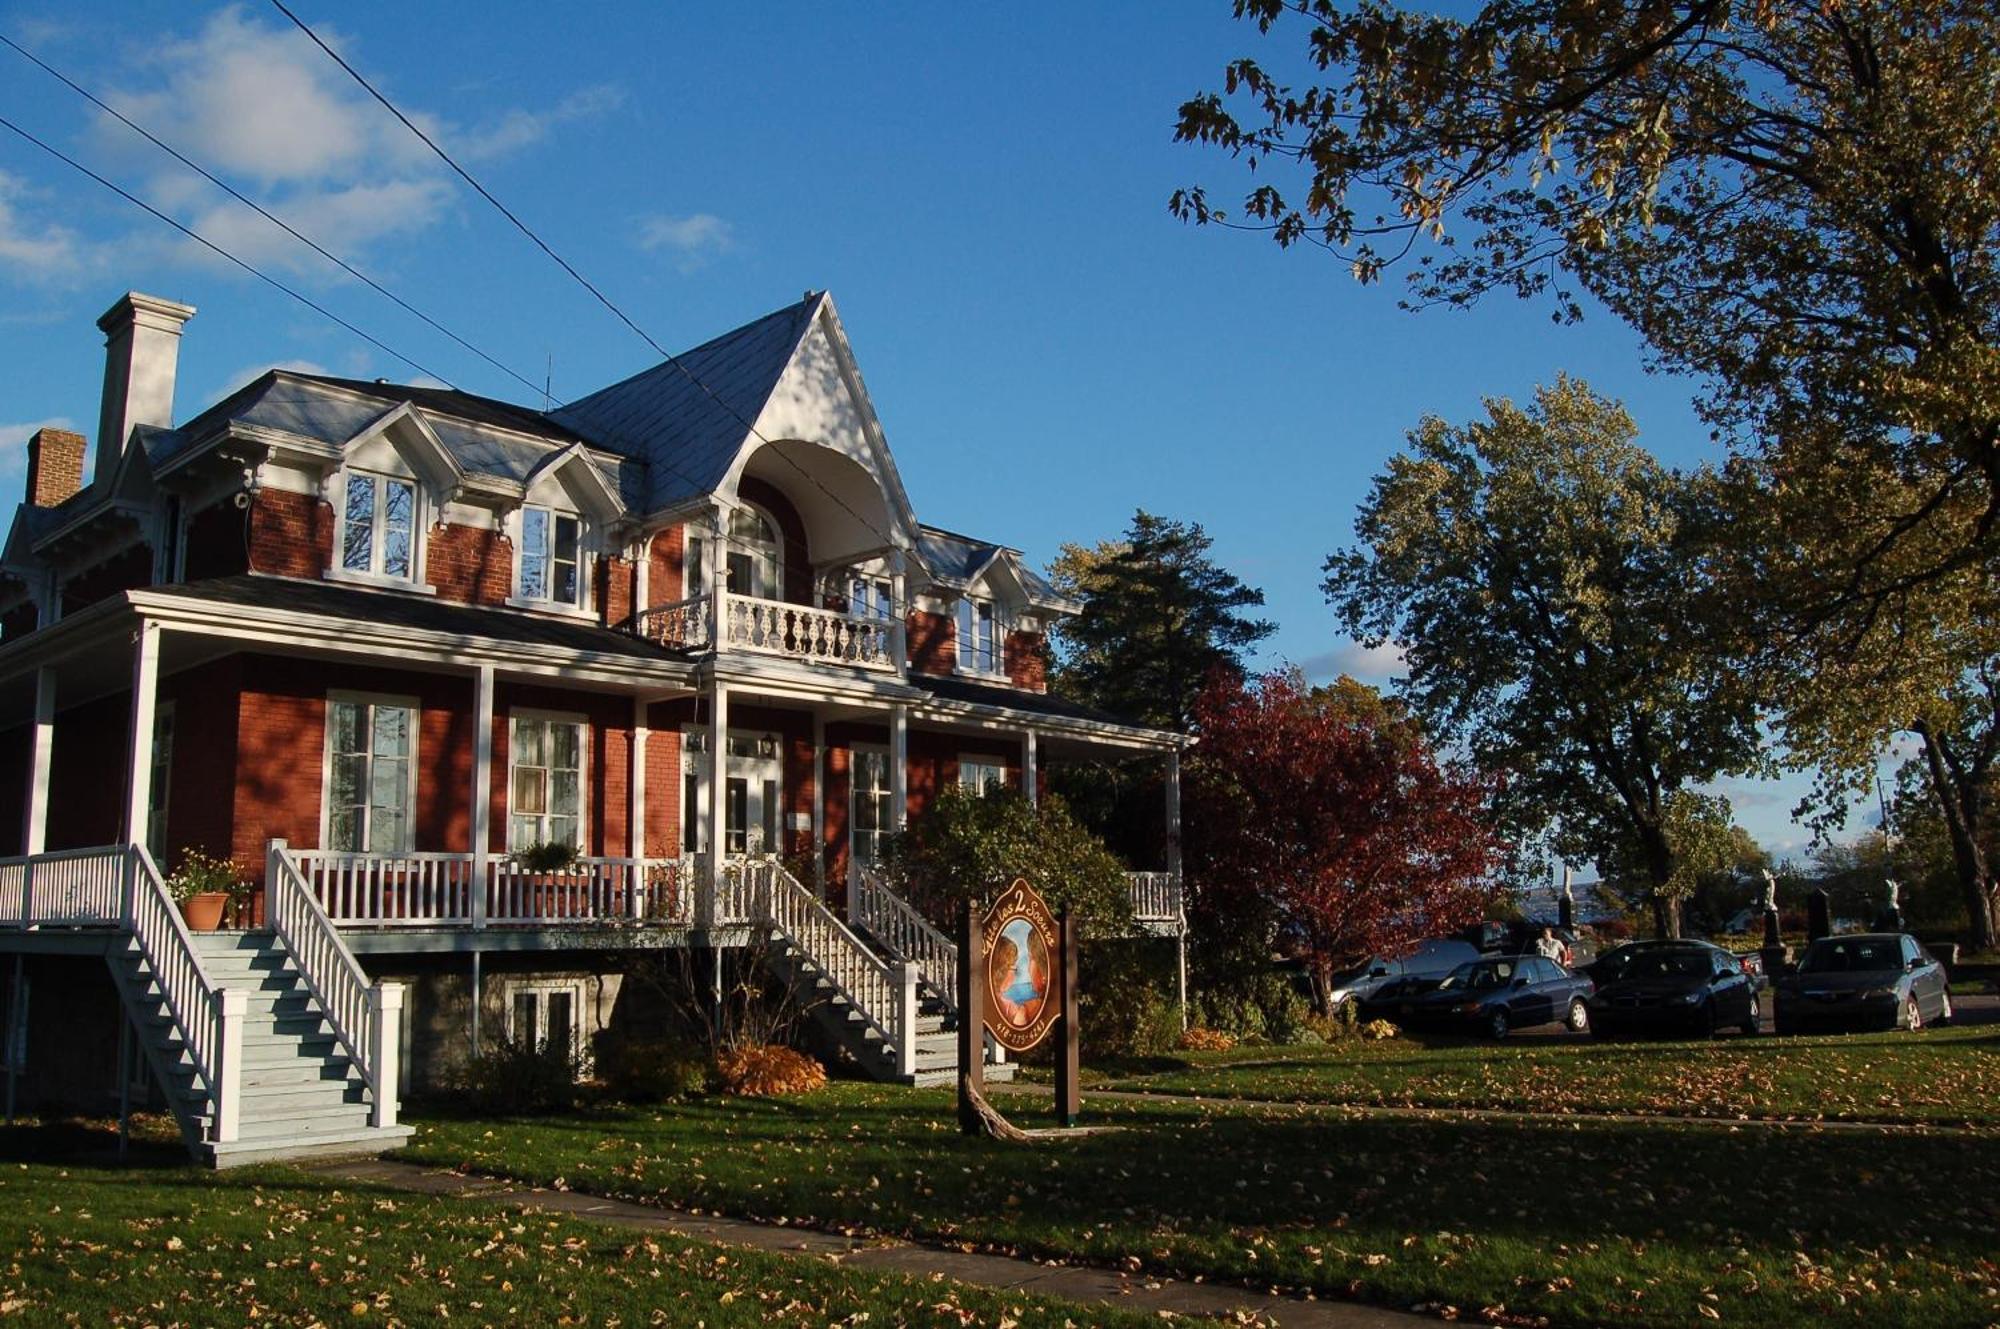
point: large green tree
(1159, 615)
(1545, 577)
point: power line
(207, 243)
(258, 208)
(578, 277)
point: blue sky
(982, 188)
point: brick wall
(663, 778)
(933, 642)
(204, 761)
(55, 466)
(615, 589)
(469, 565)
(291, 535)
(1026, 660)
(665, 575)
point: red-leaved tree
(1322, 818)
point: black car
(1498, 994)
(1874, 980)
(1684, 987)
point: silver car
(1872, 980)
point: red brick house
(374, 641)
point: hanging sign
(1022, 949)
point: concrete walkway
(1135, 1292)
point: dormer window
(978, 637)
(378, 522)
(551, 556)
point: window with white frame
(547, 1015)
(870, 597)
(370, 776)
(378, 525)
(551, 556)
(755, 558)
(158, 788)
(980, 774)
(545, 757)
(978, 636)
(873, 822)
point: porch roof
(419, 613)
(947, 688)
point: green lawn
(1937, 1076)
(1567, 1222)
(162, 1243)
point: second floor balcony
(724, 620)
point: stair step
(260, 1100)
(318, 1051)
(329, 1144)
(302, 1125)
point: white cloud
(692, 240)
(520, 128)
(345, 220)
(1370, 664)
(34, 250)
(14, 443)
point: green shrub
(655, 1070)
(514, 1079)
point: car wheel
(1750, 1020)
(1496, 1025)
(1944, 1008)
(1913, 1014)
(1579, 1016)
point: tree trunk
(1322, 988)
(1660, 868)
(1964, 811)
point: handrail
(907, 934)
(193, 1001)
(872, 988)
(409, 890)
(802, 632)
(1157, 897)
(332, 974)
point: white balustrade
(874, 989)
(801, 632)
(1156, 897)
(438, 890)
(906, 934)
(683, 625)
(334, 977)
(389, 890)
(589, 891)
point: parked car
(1877, 980)
(1431, 960)
(1495, 995)
(1518, 937)
(1688, 987)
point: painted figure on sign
(1023, 958)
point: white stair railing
(208, 1020)
(1156, 897)
(364, 1015)
(906, 934)
(883, 994)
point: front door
(752, 793)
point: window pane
(343, 830)
(349, 770)
(524, 1019)
(345, 717)
(561, 1021)
(563, 830)
(566, 539)
(530, 743)
(523, 831)
(357, 542)
(565, 795)
(529, 791)
(534, 553)
(388, 832)
(770, 817)
(399, 502)
(565, 745)
(392, 731)
(389, 786)
(691, 814)
(696, 580)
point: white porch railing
(119, 886)
(883, 994)
(906, 934)
(442, 890)
(1157, 898)
(364, 1015)
(773, 627)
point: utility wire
(207, 243)
(567, 267)
(259, 209)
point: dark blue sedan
(1494, 996)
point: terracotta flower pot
(204, 911)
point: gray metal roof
(687, 418)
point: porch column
(819, 803)
(1174, 813)
(642, 575)
(899, 766)
(718, 776)
(1029, 765)
(635, 826)
(145, 690)
(41, 746)
(482, 799)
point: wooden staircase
(298, 1094)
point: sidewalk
(1138, 1292)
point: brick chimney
(142, 344)
(55, 466)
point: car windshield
(1479, 975)
(1665, 964)
(1848, 955)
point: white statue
(1895, 891)
(1567, 894)
(1770, 891)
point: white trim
(538, 715)
(420, 505)
(376, 581)
(981, 761)
(578, 989)
(349, 696)
(139, 753)
(998, 629)
(888, 795)
(586, 560)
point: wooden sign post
(1017, 983)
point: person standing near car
(1550, 947)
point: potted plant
(552, 864)
(204, 886)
